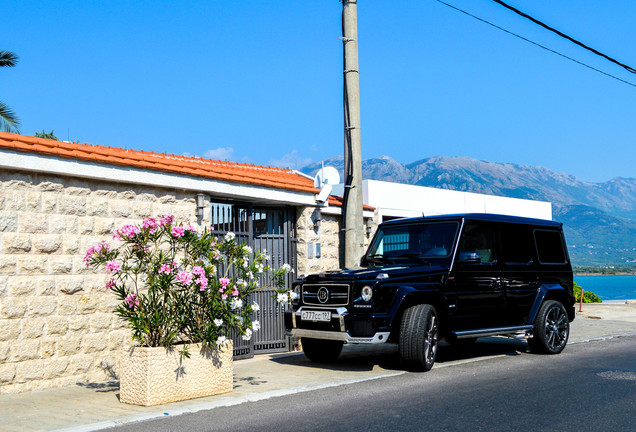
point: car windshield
(422, 243)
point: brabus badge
(323, 295)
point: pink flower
(224, 296)
(190, 228)
(150, 224)
(128, 231)
(184, 277)
(132, 300)
(112, 266)
(177, 231)
(166, 220)
(110, 283)
(198, 270)
(224, 282)
(95, 250)
(203, 282)
(235, 293)
(165, 268)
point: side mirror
(469, 257)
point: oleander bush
(178, 286)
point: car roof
(489, 217)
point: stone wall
(327, 235)
(57, 327)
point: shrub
(176, 285)
(588, 296)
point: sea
(609, 288)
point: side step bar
(498, 331)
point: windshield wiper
(379, 259)
(416, 256)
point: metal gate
(263, 229)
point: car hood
(391, 272)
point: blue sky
(261, 81)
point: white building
(395, 200)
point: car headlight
(367, 293)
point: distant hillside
(599, 218)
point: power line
(536, 44)
(563, 35)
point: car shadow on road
(386, 356)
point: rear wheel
(321, 350)
(419, 333)
(551, 328)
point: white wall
(402, 200)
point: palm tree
(9, 122)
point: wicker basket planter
(153, 376)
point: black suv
(458, 277)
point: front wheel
(419, 332)
(551, 328)
(321, 350)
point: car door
(519, 270)
(479, 297)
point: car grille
(326, 295)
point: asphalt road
(589, 387)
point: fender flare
(408, 296)
(542, 293)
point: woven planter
(153, 376)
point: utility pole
(353, 224)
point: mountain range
(599, 218)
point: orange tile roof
(277, 178)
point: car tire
(419, 333)
(551, 329)
(321, 350)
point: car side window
(478, 237)
(550, 247)
(517, 244)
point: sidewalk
(96, 406)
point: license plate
(315, 316)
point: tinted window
(517, 244)
(550, 246)
(478, 237)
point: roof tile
(219, 170)
(256, 175)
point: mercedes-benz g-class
(456, 277)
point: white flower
(293, 295)
(255, 307)
(247, 249)
(282, 298)
(256, 326)
(236, 303)
(218, 322)
(222, 340)
(239, 320)
(230, 236)
(286, 267)
(248, 335)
